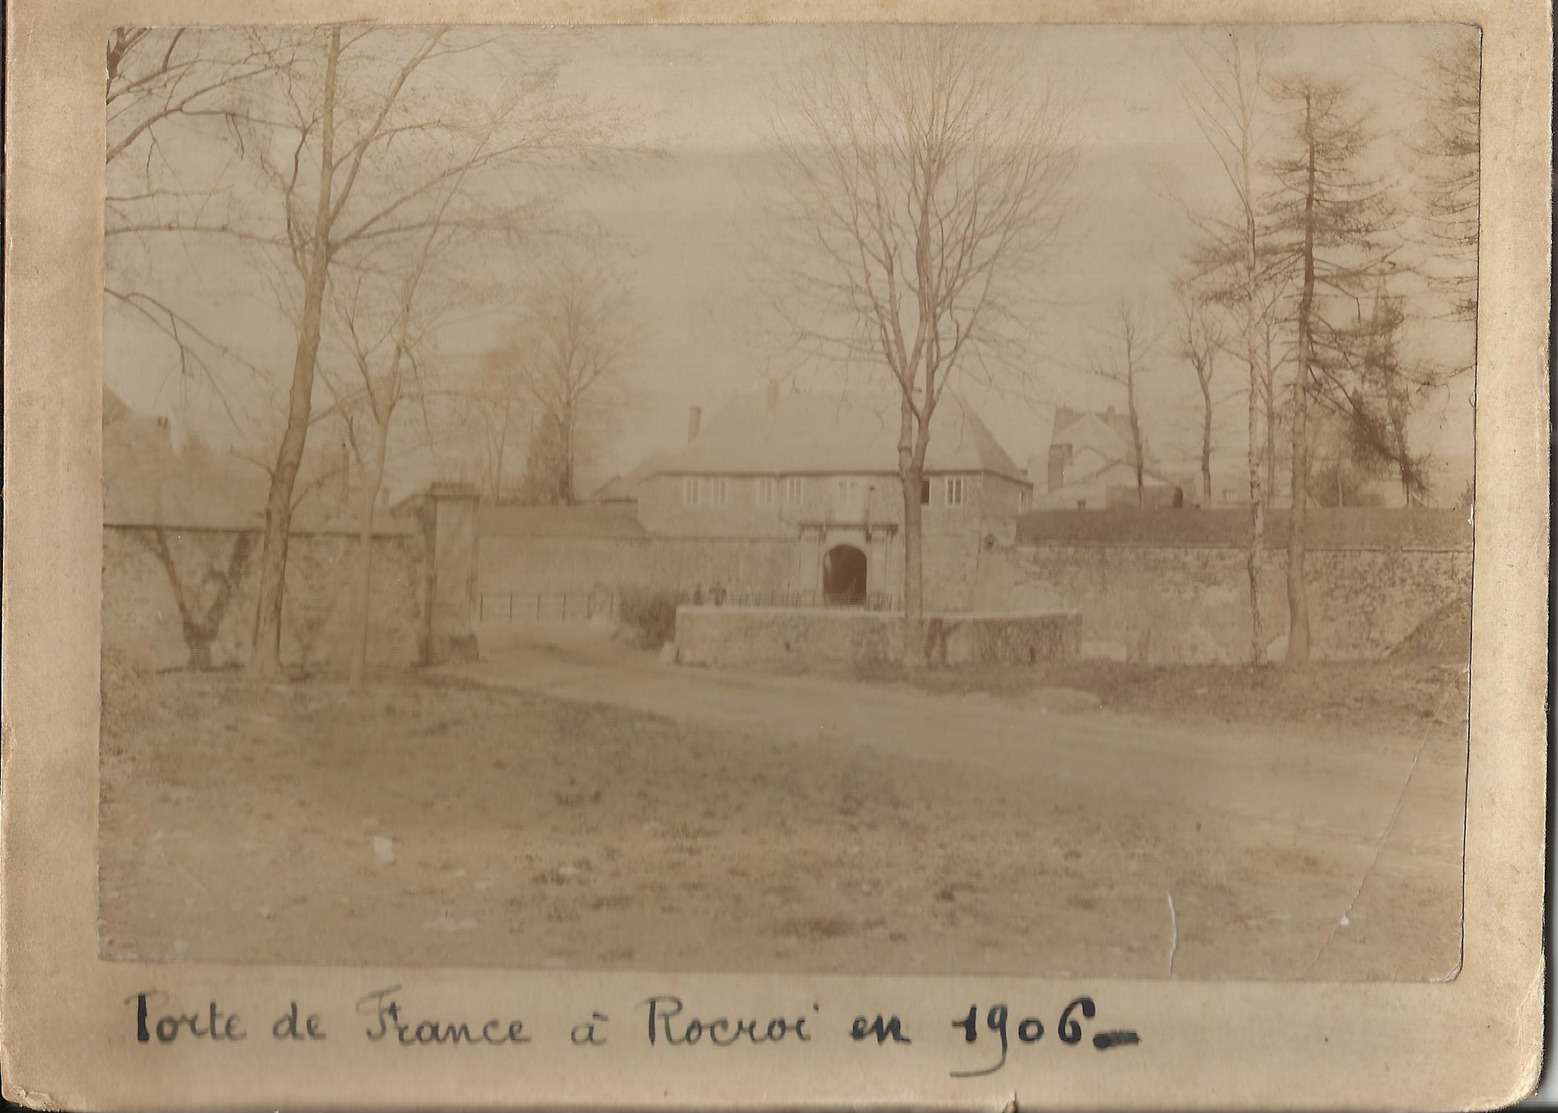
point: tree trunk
(358, 669)
(497, 472)
(1253, 555)
(1206, 443)
(265, 652)
(565, 479)
(1252, 563)
(199, 643)
(911, 472)
(1141, 463)
(200, 629)
(1259, 492)
(1271, 431)
(913, 569)
(1298, 597)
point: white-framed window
(954, 494)
(691, 488)
(794, 490)
(767, 490)
(718, 491)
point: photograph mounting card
(952, 560)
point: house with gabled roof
(1091, 465)
(148, 480)
(822, 469)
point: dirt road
(1353, 839)
(571, 803)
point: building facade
(1091, 465)
(820, 470)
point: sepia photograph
(836, 499)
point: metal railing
(581, 606)
(545, 606)
(871, 601)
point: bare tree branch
(921, 195)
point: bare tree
(1273, 352)
(1228, 106)
(201, 596)
(920, 195)
(156, 76)
(384, 338)
(390, 323)
(569, 354)
(345, 131)
(1328, 223)
(160, 83)
(1200, 339)
(496, 402)
(1122, 359)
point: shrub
(648, 614)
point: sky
(685, 227)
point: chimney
(773, 395)
(694, 421)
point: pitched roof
(1108, 433)
(814, 433)
(147, 481)
(598, 520)
(624, 488)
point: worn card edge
(1472, 1042)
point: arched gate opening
(844, 576)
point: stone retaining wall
(148, 569)
(1162, 604)
(725, 637)
(751, 566)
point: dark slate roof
(147, 481)
(589, 520)
(624, 488)
(834, 434)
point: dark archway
(844, 575)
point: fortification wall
(1190, 604)
(146, 569)
(725, 637)
(750, 566)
